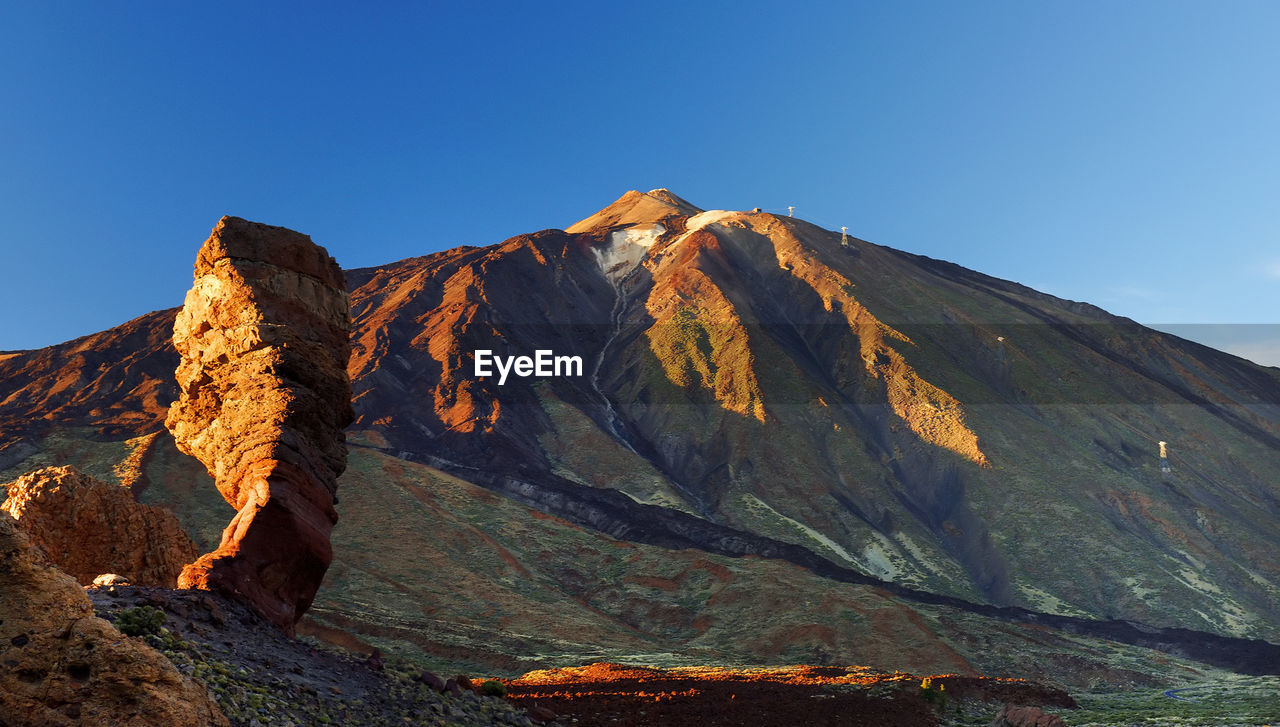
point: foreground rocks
(60, 665)
(259, 676)
(88, 527)
(264, 397)
(1012, 715)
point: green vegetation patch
(140, 621)
(1234, 701)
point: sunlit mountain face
(905, 418)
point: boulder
(540, 715)
(111, 579)
(263, 401)
(60, 665)
(1012, 715)
(88, 527)
(432, 681)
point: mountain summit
(636, 208)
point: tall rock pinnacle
(264, 397)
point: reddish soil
(610, 695)
(685, 702)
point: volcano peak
(635, 208)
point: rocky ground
(612, 695)
(260, 677)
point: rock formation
(60, 665)
(1012, 715)
(264, 397)
(88, 527)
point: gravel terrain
(260, 677)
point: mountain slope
(454, 576)
(899, 416)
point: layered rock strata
(60, 665)
(88, 527)
(263, 400)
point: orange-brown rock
(88, 527)
(60, 665)
(1012, 715)
(264, 397)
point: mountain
(779, 440)
(899, 416)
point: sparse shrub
(140, 621)
(166, 640)
(936, 696)
(493, 688)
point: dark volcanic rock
(264, 398)
(432, 681)
(257, 675)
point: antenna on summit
(844, 236)
(791, 210)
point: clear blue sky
(1123, 153)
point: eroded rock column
(263, 337)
